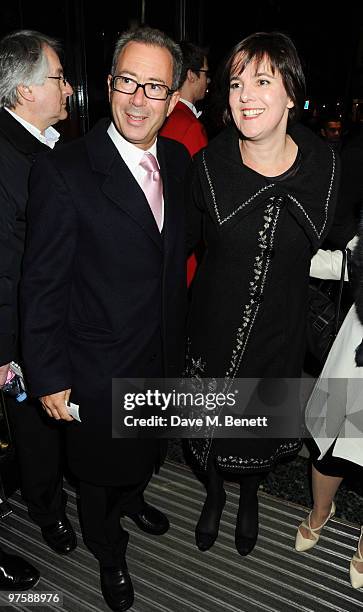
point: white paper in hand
(73, 410)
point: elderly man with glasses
(33, 97)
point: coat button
(280, 201)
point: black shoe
(205, 541)
(116, 587)
(60, 536)
(246, 532)
(16, 574)
(150, 520)
(245, 544)
(207, 528)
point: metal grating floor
(171, 575)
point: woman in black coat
(263, 193)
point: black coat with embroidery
(247, 316)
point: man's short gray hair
(23, 62)
(153, 37)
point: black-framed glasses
(154, 91)
(60, 78)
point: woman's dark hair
(281, 53)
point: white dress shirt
(50, 137)
(191, 106)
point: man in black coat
(104, 290)
(33, 97)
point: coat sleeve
(47, 280)
(8, 282)
(327, 264)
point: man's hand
(54, 405)
(3, 373)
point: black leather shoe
(116, 587)
(60, 536)
(16, 574)
(150, 520)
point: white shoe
(302, 544)
(356, 578)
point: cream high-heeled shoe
(302, 544)
(356, 578)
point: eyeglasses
(154, 91)
(60, 78)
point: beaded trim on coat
(195, 368)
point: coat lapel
(121, 187)
(19, 136)
(117, 182)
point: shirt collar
(129, 152)
(50, 136)
(191, 106)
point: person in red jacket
(183, 124)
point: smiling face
(258, 100)
(138, 118)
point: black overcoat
(247, 318)
(101, 289)
(18, 151)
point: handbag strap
(340, 292)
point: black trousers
(100, 511)
(39, 447)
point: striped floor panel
(171, 575)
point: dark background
(329, 41)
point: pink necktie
(152, 186)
